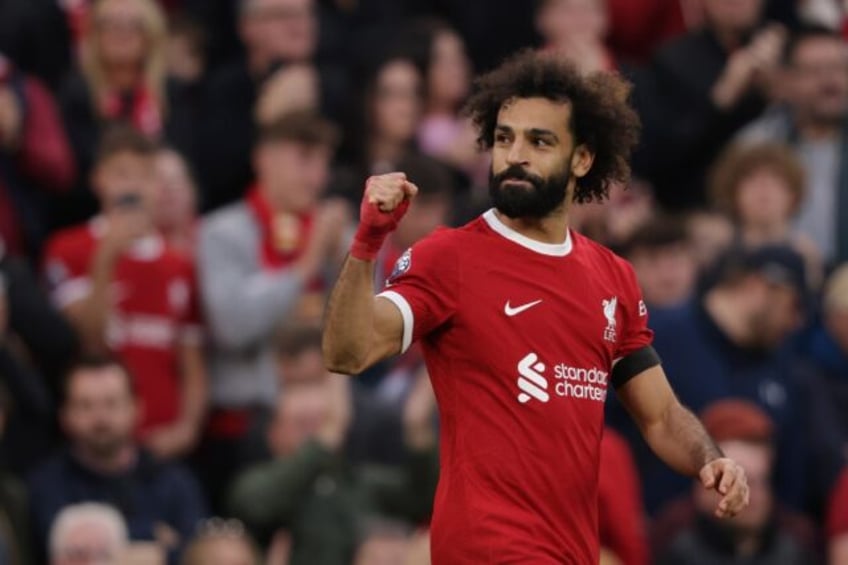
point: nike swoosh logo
(510, 311)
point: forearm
(679, 439)
(350, 318)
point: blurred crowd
(179, 181)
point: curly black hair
(601, 117)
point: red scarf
(139, 108)
(284, 235)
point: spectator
(36, 156)
(90, 534)
(309, 484)
(761, 187)
(221, 542)
(383, 124)
(697, 92)
(259, 260)
(176, 206)
(443, 133)
(126, 291)
(661, 254)
(811, 118)
(275, 34)
(103, 462)
(122, 77)
(757, 535)
(575, 30)
(732, 340)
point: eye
(501, 138)
(539, 142)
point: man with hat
(763, 532)
(732, 340)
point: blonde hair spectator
(109, 43)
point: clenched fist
(728, 479)
(384, 203)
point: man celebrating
(523, 324)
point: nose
(517, 154)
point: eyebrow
(535, 132)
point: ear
(581, 161)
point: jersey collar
(552, 249)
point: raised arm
(361, 329)
(679, 439)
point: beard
(545, 196)
(103, 442)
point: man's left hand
(728, 479)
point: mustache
(515, 172)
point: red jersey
(520, 338)
(155, 310)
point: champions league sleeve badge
(402, 265)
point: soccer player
(524, 325)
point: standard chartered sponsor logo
(531, 382)
(570, 381)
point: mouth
(517, 182)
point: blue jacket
(151, 493)
(704, 366)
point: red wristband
(374, 227)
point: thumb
(708, 476)
(409, 189)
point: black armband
(630, 366)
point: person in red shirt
(125, 290)
(524, 325)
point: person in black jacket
(697, 92)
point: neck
(123, 77)
(553, 228)
(120, 461)
(179, 237)
(755, 235)
(724, 308)
(819, 130)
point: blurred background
(179, 181)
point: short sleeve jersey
(155, 310)
(520, 339)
